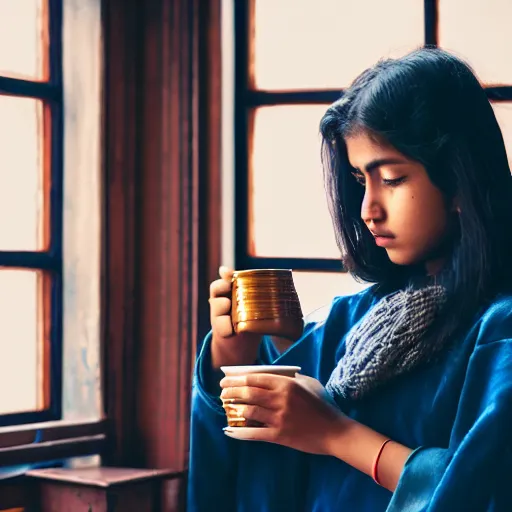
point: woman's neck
(434, 267)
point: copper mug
(265, 301)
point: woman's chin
(401, 258)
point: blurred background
(143, 144)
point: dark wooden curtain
(162, 230)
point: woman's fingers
(220, 316)
(247, 395)
(257, 380)
(254, 413)
(226, 273)
(222, 326)
(220, 306)
(220, 288)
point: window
(31, 210)
(482, 38)
(292, 58)
(50, 234)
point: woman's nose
(371, 209)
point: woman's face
(402, 208)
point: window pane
(289, 211)
(327, 43)
(317, 289)
(21, 38)
(503, 113)
(20, 334)
(479, 32)
(21, 197)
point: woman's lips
(383, 239)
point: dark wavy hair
(430, 106)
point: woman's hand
(228, 348)
(297, 411)
(299, 414)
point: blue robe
(455, 413)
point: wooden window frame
(78, 429)
(248, 98)
(161, 231)
(49, 259)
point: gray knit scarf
(387, 342)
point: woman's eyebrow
(374, 164)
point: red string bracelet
(375, 465)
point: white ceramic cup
(234, 411)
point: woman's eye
(394, 182)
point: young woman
(416, 409)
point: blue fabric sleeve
(210, 449)
(215, 453)
(473, 472)
(215, 460)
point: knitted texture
(387, 342)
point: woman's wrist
(354, 443)
(238, 350)
(359, 446)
